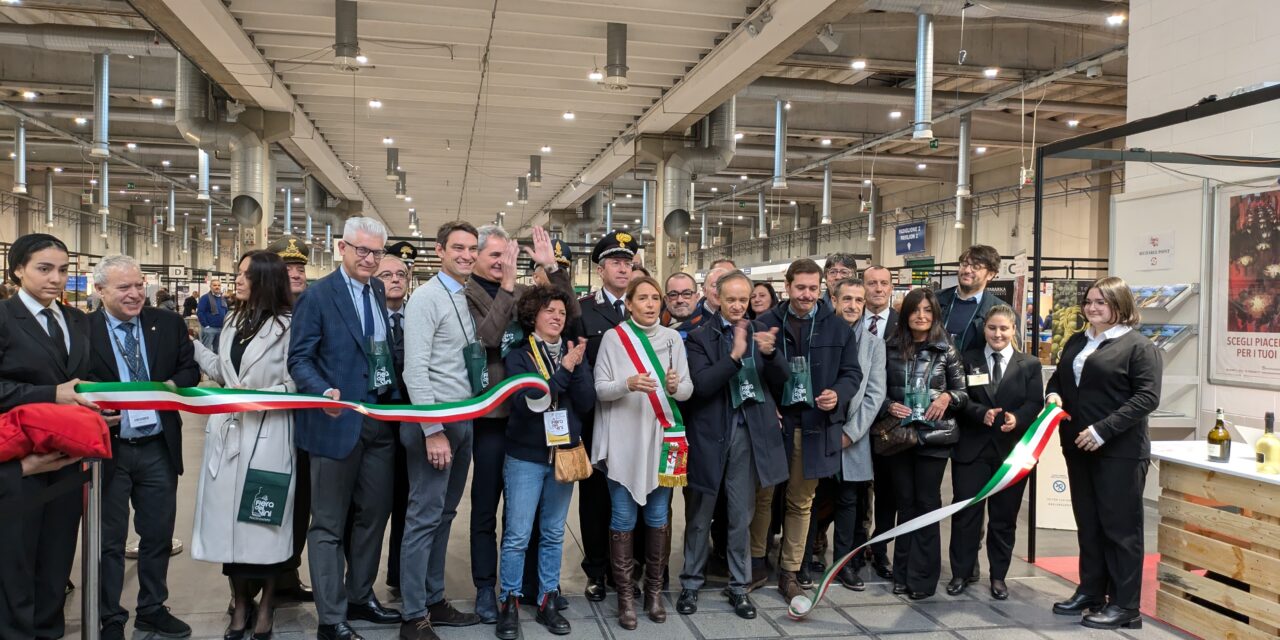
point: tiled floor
(198, 595)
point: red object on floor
(1069, 567)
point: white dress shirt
(881, 325)
(1006, 355)
(36, 309)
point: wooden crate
(1227, 525)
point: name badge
(556, 426)
(977, 379)
(139, 419)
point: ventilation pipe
(924, 77)
(688, 162)
(48, 198)
(780, 146)
(535, 171)
(615, 69)
(308, 227)
(522, 190)
(644, 209)
(826, 193)
(871, 213)
(186, 234)
(346, 41)
(173, 213)
(208, 220)
(608, 213)
(60, 37)
(706, 213)
(104, 198)
(315, 202)
(393, 164)
(962, 170)
(402, 187)
(328, 241)
(101, 104)
(202, 174)
(288, 211)
(821, 91)
(764, 214)
(20, 157)
(251, 190)
(155, 229)
(217, 254)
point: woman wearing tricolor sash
(640, 373)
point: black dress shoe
(162, 623)
(374, 612)
(998, 589)
(549, 616)
(743, 606)
(957, 585)
(595, 591)
(340, 631)
(442, 614)
(1114, 617)
(688, 602)
(1078, 604)
(850, 579)
(920, 595)
(899, 589)
(508, 624)
(880, 565)
(115, 631)
(804, 577)
(300, 593)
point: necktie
(55, 332)
(397, 330)
(132, 356)
(872, 328)
(368, 312)
(617, 306)
(997, 371)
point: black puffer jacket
(945, 376)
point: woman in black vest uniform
(1108, 381)
(44, 351)
(922, 349)
(1005, 396)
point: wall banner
(1244, 341)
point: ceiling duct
(402, 185)
(346, 42)
(685, 164)
(288, 210)
(522, 190)
(101, 105)
(780, 145)
(316, 203)
(20, 156)
(615, 69)
(104, 197)
(962, 169)
(924, 78)
(1089, 12)
(202, 174)
(535, 171)
(826, 193)
(48, 198)
(173, 212)
(802, 90)
(763, 213)
(250, 156)
(393, 164)
(63, 37)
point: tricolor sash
(673, 462)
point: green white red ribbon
(1015, 467)
(674, 459)
(212, 400)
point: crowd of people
(826, 413)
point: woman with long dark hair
(926, 390)
(244, 504)
(763, 298)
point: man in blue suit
(340, 347)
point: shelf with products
(1163, 297)
(1168, 337)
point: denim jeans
(625, 509)
(529, 486)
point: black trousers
(967, 479)
(141, 475)
(488, 456)
(37, 549)
(1106, 498)
(821, 514)
(862, 523)
(399, 506)
(917, 556)
(885, 509)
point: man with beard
(682, 299)
(964, 307)
(709, 306)
(492, 294)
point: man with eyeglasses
(708, 307)
(682, 299)
(965, 306)
(839, 266)
(393, 271)
(339, 347)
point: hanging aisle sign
(910, 237)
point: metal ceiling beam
(1136, 155)
(941, 69)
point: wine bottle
(1267, 447)
(1219, 440)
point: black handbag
(889, 436)
(942, 433)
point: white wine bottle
(1219, 440)
(1267, 447)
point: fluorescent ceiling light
(894, 115)
(742, 177)
(922, 166)
(981, 150)
(714, 190)
(157, 102)
(738, 135)
(1116, 19)
(510, 203)
(866, 181)
(568, 115)
(595, 75)
(362, 59)
(57, 169)
(131, 146)
(826, 142)
(164, 162)
(628, 195)
(859, 64)
(546, 148)
(388, 140)
(30, 95)
(991, 72)
(793, 203)
(375, 103)
(82, 121)
(1073, 123)
(192, 176)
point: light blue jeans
(528, 486)
(625, 509)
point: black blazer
(1119, 387)
(574, 391)
(598, 317)
(1021, 393)
(170, 357)
(30, 367)
(972, 336)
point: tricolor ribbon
(673, 461)
(1015, 467)
(212, 400)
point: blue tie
(368, 313)
(132, 358)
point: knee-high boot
(622, 560)
(657, 551)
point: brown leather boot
(622, 560)
(657, 550)
(788, 585)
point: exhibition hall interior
(682, 320)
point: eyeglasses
(686, 294)
(364, 252)
(969, 264)
(839, 273)
(400, 275)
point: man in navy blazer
(335, 323)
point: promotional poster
(1246, 283)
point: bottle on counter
(1219, 440)
(1268, 447)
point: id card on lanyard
(473, 354)
(138, 419)
(555, 422)
(959, 340)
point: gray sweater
(434, 370)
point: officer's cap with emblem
(405, 251)
(291, 249)
(618, 244)
(564, 255)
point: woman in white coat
(244, 505)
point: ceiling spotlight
(628, 196)
(546, 148)
(164, 162)
(793, 203)
(637, 221)
(991, 72)
(568, 115)
(82, 121)
(1116, 19)
(714, 190)
(375, 103)
(122, 192)
(57, 169)
(157, 102)
(510, 203)
(829, 38)
(922, 166)
(362, 59)
(826, 142)
(146, 199)
(192, 176)
(131, 146)
(787, 106)
(980, 150)
(866, 181)
(720, 222)
(408, 198)
(595, 75)
(859, 64)
(388, 140)
(894, 115)
(30, 95)
(742, 177)
(1073, 123)
(93, 181)
(216, 188)
(297, 199)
